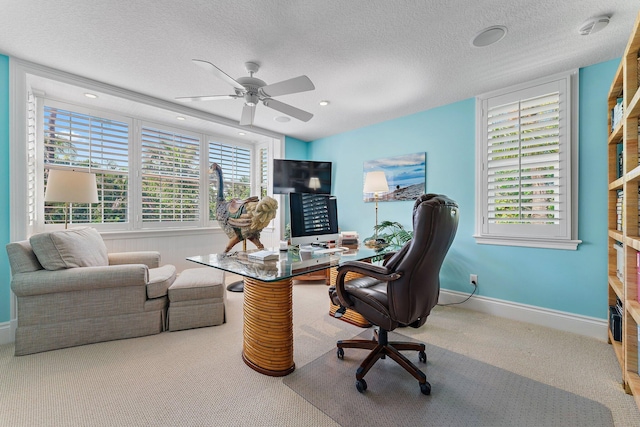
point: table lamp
(314, 183)
(71, 187)
(376, 182)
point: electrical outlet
(473, 279)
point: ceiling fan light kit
(254, 91)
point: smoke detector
(593, 25)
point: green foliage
(393, 233)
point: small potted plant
(388, 233)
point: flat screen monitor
(314, 218)
(301, 176)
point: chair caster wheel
(422, 356)
(361, 385)
(425, 388)
(340, 353)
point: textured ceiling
(374, 60)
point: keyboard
(328, 251)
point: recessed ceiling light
(91, 95)
(323, 103)
(489, 36)
(282, 119)
(241, 133)
(593, 25)
(180, 118)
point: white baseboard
(7, 332)
(568, 322)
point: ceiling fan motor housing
(252, 86)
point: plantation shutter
(235, 162)
(170, 176)
(526, 165)
(79, 141)
(31, 160)
(264, 171)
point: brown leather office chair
(403, 290)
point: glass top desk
(267, 309)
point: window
(526, 167)
(170, 176)
(171, 180)
(151, 170)
(77, 141)
(235, 162)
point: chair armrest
(77, 279)
(367, 269)
(149, 258)
(388, 256)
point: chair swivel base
(236, 286)
(380, 348)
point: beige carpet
(197, 377)
(466, 392)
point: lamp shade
(71, 187)
(314, 183)
(375, 182)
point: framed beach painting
(406, 177)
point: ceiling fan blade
(288, 109)
(208, 66)
(248, 113)
(295, 85)
(206, 97)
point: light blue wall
(5, 276)
(570, 281)
(295, 149)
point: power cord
(475, 288)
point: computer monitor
(314, 218)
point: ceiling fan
(254, 90)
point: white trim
(568, 322)
(569, 239)
(8, 332)
(570, 245)
(26, 67)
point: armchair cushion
(78, 247)
(159, 280)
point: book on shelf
(615, 323)
(638, 276)
(616, 114)
(263, 255)
(619, 260)
(620, 160)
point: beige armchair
(72, 292)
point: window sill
(569, 245)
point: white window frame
(137, 186)
(41, 101)
(19, 90)
(564, 236)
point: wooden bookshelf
(623, 223)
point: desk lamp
(71, 187)
(376, 182)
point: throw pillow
(78, 247)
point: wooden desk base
(349, 316)
(268, 327)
